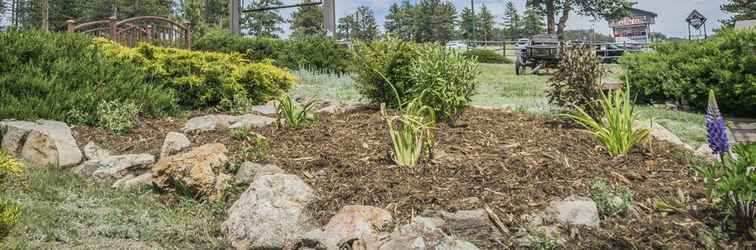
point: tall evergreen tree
(263, 23)
(366, 28)
(308, 21)
(467, 24)
(486, 24)
(345, 27)
(434, 21)
(533, 22)
(513, 21)
(740, 10)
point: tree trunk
(45, 15)
(565, 15)
(550, 16)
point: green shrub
(314, 53)
(117, 116)
(686, 71)
(610, 203)
(204, 79)
(444, 80)
(379, 65)
(577, 82)
(614, 127)
(49, 76)
(486, 56)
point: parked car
(609, 52)
(456, 45)
(522, 42)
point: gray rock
(250, 170)
(574, 211)
(271, 213)
(118, 166)
(41, 143)
(174, 143)
(469, 222)
(208, 123)
(143, 180)
(661, 133)
(351, 222)
(422, 233)
(94, 152)
(267, 109)
(252, 121)
(332, 109)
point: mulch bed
(515, 163)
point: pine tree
(513, 20)
(486, 24)
(345, 27)
(366, 28)
(466, 24)
(533, 23)
(308, 21)
(263, 23)
(434, 21)
(740, 10)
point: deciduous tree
(604, 9)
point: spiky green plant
(410, 132)
(295, 116)
(614, 129)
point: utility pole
(46, 15)
(472, 2)
(115, 8)
(234, 12)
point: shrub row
(686, 71)
(442, 79)
(487, 56)
(63, 76)
(67, 76)
(314, 53)
(204, 79)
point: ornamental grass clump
(614, 127)
(410, 131)
(295, 116)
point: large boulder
(422, 233)
(350, 223)
(173, 143)
(208, 123)
(250, 170)
(115, 167)
(271, 213)
(199, 170)
(252, 121)
(41, 143)
(574, 211)
(661, 133)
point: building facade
(635, 28)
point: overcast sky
(671, 20)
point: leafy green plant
(577, 81)
(609, 202)
(295, 116)
(410, 132)
(117, 116)
(443, 80)
(614, 128)
(382, 70)
(256, 152)
(9, 215)
(9, 166)
(686, 71)
(486, 56)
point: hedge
(315, 53)
(686, 71)
(487, 56)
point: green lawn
(501, 87)
(63, 211)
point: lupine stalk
(716, 129)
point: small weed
(541, 241)
(257, 152)
(117, 116)
(673, 205)
(609, 203)
(76, 116)
(242, 134)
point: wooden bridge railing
(130, 32)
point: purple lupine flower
(715, 128)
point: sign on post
(696, 20)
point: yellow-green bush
(205, 78)
(9, 210)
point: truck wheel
(519, 68)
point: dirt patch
(515, 163)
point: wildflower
(715, 128)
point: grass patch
(690, 127)
(326, 87)
(64, 211)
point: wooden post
(188, 34)
(71, 26)
(113, 28)
(148, 31)
(504, 48)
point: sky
(671, 20)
